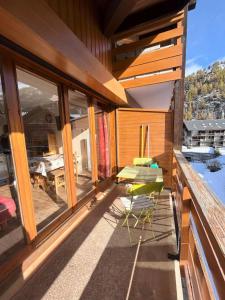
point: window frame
(15, 59)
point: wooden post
(142, 140)
(185, 225)
(18, 148)
(179, 87)
(67, 145)
(112, 139)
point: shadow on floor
(96, 260)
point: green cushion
(154, 166)
(142, 161)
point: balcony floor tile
(96, 260)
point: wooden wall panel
(82, 18)
(128, 138)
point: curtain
(103, 146)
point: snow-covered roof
(218, 124)
(208, 150)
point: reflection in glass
(102, 142)
(11, 230)
(78, 106)
(40, 111)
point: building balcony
(97, 260)
(72, 117)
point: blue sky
(205, 34)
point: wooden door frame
(11, 60)
(67, 145)
(18, 147)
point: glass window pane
(11, 229)
(42, 127)
(78, 106)
(102, 142)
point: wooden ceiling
(121, 15)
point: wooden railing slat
(151, 26)
(200, 270)
(154, 39)
(147, 57)
(149, 67)
(154, 79)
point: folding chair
(139, 207)
(149, 189)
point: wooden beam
(179, 88)
(160, 65)
(18, 145)
(154, 39)
(35, 27)
(148, 57)
(116, 14)
(112, 138)
(150, 26)
(154, 79)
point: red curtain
(103, 146)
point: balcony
(96, 260)
(75, 247)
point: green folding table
(144, 180)
(138, 174)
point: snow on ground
(199, 149)
(215, 180)
(222, 150)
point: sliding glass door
(11, 228)
(102, 141)
(79, 120)
(40, 112)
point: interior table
(141, 174)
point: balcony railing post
(185, 224)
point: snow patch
(199, 149)
(215, 180)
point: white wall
(153, 96)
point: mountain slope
(205, 93)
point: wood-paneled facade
(149, 50)
(84, 20)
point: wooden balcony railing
(147, 56)
(201, 219)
